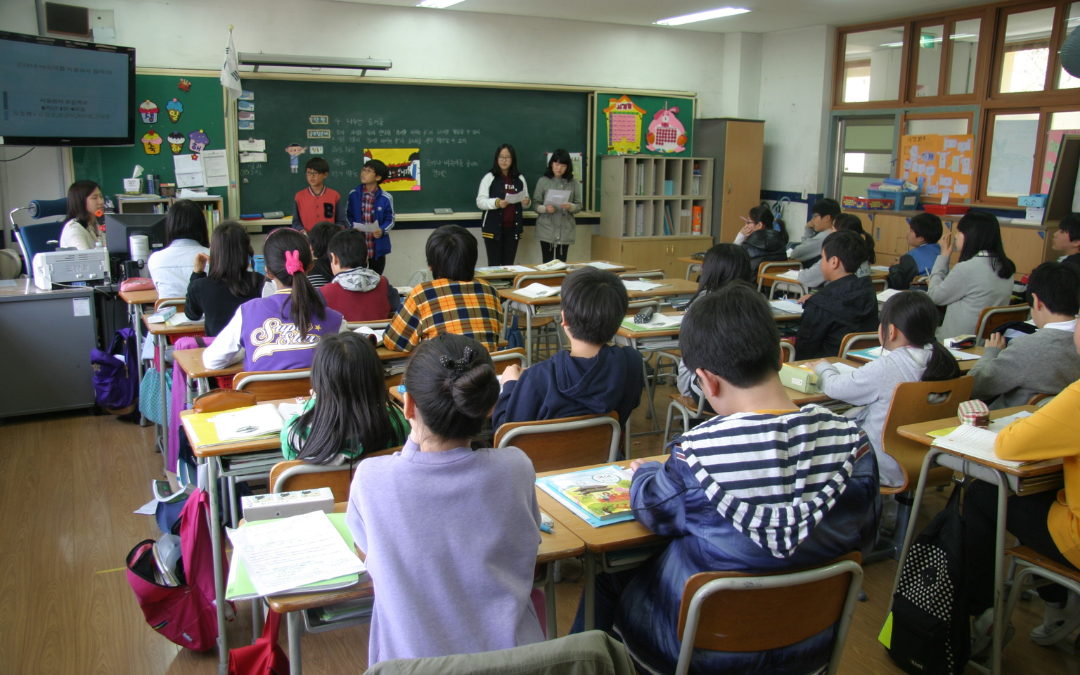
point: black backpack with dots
(929, 621)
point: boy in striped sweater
(761, 487)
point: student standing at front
(370, 205)
(555, 225)
(502, 223)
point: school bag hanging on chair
(927, 631)
(265, 656)
(116, 374)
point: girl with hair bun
(449, 533)
(281, 331)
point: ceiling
(765, 15)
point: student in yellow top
(1048, 522)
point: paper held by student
(366, 227)
(516, 197)
(556, 197)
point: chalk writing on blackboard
(319, 119)
(318, 133)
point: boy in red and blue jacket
(370, 205)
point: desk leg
(296, 667)
(134, 313)
(590, 590)
(549, 602)
(219, 573)
(165, 395)
(528, 336)
(649, 393)
(999, 575)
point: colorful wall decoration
(944, 163)
(404, 166)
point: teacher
(85, 205)
(502, 223)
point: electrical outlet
(805, 193)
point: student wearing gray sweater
(1041, 363)
(812, 277)
(809, 249)
(910, 354)
(982, 278)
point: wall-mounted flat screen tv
(64, 92)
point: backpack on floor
(116, 373)
(927, 631)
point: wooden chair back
(992, 317)
(274, 384)
(915, 402)
(646, 274)
(545, 278)
(564, 443)
(1040, 400)
(374, 325)
(504, 358)
(854, 341)
(753, 618)
(787, 351)
(770, 267)
(296, 474)
(178, 303)
(879, 285)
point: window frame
(840, 66)
(1053, 62)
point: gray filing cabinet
(45, 342)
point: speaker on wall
(67, 19)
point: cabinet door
(740, 189)
(645, 254)
(1024, 246)
(683, 248)
(890, 234)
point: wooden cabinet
(650, 253)
(738, 147)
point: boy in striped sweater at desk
(717, 518)
(924, 231)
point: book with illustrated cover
(599, 496)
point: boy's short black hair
(826, 207)
(594, 303)
(731, 333)
(350, 247)
(319, 237)
(1058, 287)
(451, 253)
(318, 165)
(846, 245)
(928, 226)
(1071, 224)
(380, 169)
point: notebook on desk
(978, 443)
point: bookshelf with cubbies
(213, 206)
(654, 210)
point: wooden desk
(598, 541)
(1020, 480)
(965, 366)
(570, 267)
(139, 297)
(693, 265)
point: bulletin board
(945, 164)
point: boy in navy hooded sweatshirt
(593, 377)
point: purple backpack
(116, 380)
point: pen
(544, 527)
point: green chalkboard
(203, 109)
(456, 130)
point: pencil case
(974, 413)
(798, 379)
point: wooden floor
(68, 486)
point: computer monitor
(120, 226)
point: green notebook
(239, 586)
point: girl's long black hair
(982, 233)
(915, 315)
(350, 401)
(723, 264)
(230, 250)
(77, 195)
(852, 223)
(304, 300)
(186, 220)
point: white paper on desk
(495, 269)
(551, 266)
(538, 290)
(1002, 422)
(289, 410)
(189, 172)
(886, 294)
(366, 227)
(556, 197)
(601, 265)
(974, 442)
(665, 320)
(260, 420)
(215, 168)
(368, 330)
(283, 554)
(786, 306)
(252, 145)
(516, 197)
(879, 268)
(193, 194)
(964, 356)
(790, 274)
(640, 285)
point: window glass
(943, 126)
(930, 48)
(1027, 50)
(1012, 154)
(1065, 80)
(867, 154)
(872, 65)
(964, 41)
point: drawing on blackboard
(148, 110)
(295, 150)
(176, 142)
(666, 132)
(624, 125)
(404, 166)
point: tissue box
(1037, 201)
(286, 504)
(974, 413)
(799, 379)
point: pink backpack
(184, 614)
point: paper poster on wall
(943, 163)
(623, 125)
(189, 170)
(666, 132)
(403, 164)
(1053, 145)
(215, 168)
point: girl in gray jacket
(982, 278)
(555, 223)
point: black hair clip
(461, 365)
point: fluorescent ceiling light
(701, 16)
(438, 4)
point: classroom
(495, 249)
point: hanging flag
(230, 71)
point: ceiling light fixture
(438, 4)
(701, 16)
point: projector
(71, 267)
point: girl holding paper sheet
(502, 194)
(555, 222)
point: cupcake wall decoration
(151, 142)
(198, 141)
(175, 109)
(149, 110)
(176, 142)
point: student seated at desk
(279, 332)
(764, 238)
(1044, 362)
(1048, 522)
(185, 237)
(924, 231)
(1066, 239)
(319, 240)
(455, 302)
(229, 284)
(982, 278)
(348, 411)
(908, 322)
(720, 520)
(450, 533)
(593, 378)
(357, 292)
(847, 304)
(812, 277)
(809, 250)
